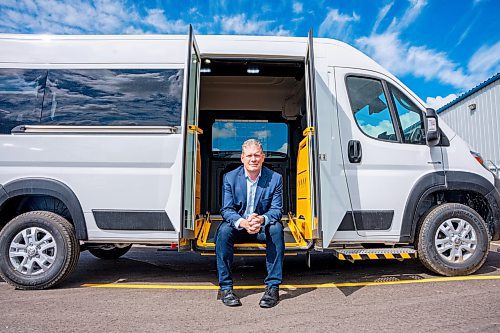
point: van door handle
(354, 151)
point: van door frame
(190, 115)
(311, 132)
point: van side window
(370, 108)
(21, 94)
(410, 117)
(113, 97)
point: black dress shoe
(271, 298)
(229, 298)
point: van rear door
(191, 144)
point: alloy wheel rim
(32, 251)
(455, 240)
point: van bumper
(494, 201)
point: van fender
(451, 180)
(460, 180)
(49, 187)
(429, 183)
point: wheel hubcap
(455, 240)
(32, 251)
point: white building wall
(481, 127)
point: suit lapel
(242, 184)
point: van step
(375, 254)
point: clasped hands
(252, 224)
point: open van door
(310, 132)
(191, 145)
(328, 187)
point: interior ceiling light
(253, 70)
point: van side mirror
(432, 133)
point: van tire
(51, 237)
(109, 251)
(446, 240)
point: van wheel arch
(20, 194)
(464, 188)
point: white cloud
(381, 15)
(463, 35)
(264, 134)
(284, 148)
(298, 7)
(403, 58)
(157, 19)
(486, 59)
(240, 24)
(376, 130)
(410, 15)
(336, 24)
(438, 101)
(228, 131)
(101, 16)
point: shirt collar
(247, 177)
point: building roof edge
(470, 92)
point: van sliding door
(191, 132)
(312, 139)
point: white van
(108, 141)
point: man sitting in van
(251, 210)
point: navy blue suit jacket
(268, 196)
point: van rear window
(229, 135)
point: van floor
(215, 224)
(206, 238)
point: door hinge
(195, 129)
(308, 130)
(322, 157)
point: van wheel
(38, 250)
(453, 240)
(110, 251)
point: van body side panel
(106, 172)
(31, 51)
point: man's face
(252, 158)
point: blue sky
(440, 49)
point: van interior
(249, 98)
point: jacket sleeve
(275, 212)
(228, 211)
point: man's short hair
(251, 142)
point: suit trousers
(270, 234)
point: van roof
(153, 49)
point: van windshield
(229, 135)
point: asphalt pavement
(153, 289)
